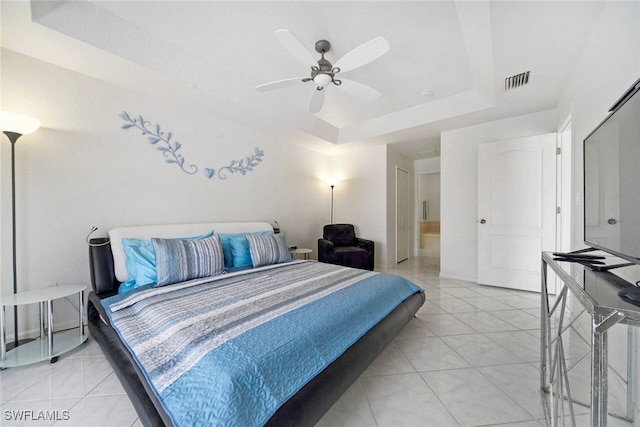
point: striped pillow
(178, 260)
(266, 250)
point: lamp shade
(17, 123)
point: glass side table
(50, 345)
(302, 251)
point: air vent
(516, 81)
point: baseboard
(458, 277)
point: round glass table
(49, 345)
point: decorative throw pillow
(266, 250)
(140, 260)
(181, 260)
(141, 263)
(236, 249)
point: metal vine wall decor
(169, 148)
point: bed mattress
(232, 349)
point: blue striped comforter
(231, 349)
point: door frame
(408, 215)
(564, 177)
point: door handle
(483, 221)
(612, 221)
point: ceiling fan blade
(317, 99)
(363, 54)
(359, 90)
(278, 84)
(295, 47)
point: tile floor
(469, 358)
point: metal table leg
(81, 312)
(544, 327)
(3, 336)
(600, 324)
(598, 361)
(42, 309)
(50, 328)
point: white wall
(609, 64)
(81, 169)
(360, 195)
(459, 190)
(365, 196)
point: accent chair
(339, 245)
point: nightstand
(49, 345)
(303, 251)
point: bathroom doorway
(429, 214)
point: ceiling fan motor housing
(323, 46)
(324, 68)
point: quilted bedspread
(231, 349)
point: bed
(182, 345)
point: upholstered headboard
(107, 259)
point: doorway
(402, 215)
(429, 214)
(564, 188)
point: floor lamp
(332, 185)
(14, 126)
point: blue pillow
(181, 260)
(236, 249)
(267, 250)
(140, 261)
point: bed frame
(305, 408)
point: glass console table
(597, 293)
(50, 345)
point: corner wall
(360, 195)
(82, 169)
(459, 187)
(610, 63)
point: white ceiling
(460, 51)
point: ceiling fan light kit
(324, 73)
(322, 79)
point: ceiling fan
(324, 73)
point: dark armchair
(340, 245)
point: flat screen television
(612, 180)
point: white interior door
(516, 210)
(402, 215)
